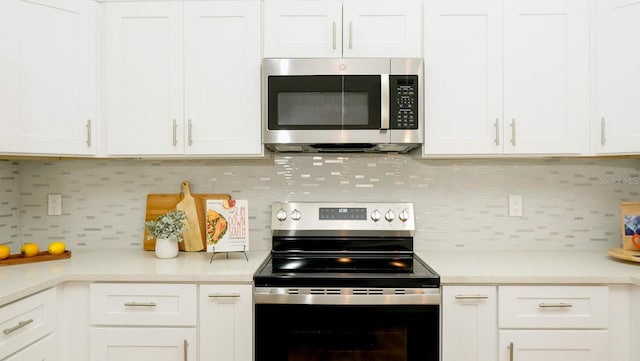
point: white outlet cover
(54, 205)
(515, 206)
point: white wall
(568, 203)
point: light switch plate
(515, 206)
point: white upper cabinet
(336, 28)
(144, 78)
(183, 78)
(616, 118)
(47, 77)
(222, 77)
(506, 77)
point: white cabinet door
(222, 77)
(617, 77)
(307, 29)
(136, 344)
(546, 76)
(469, 323)
(45, 349)
(382, 28)
(48, 76)
(226, 321)
(463, 72)
(553, 345)
(144, 78)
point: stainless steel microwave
(342, 105)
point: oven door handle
(285, 296)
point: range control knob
(389, 216)
(281, 215)
(376, 215)
(404, 215)
(295, 215)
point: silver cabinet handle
(190, 133)
(140, 304)
(603, 124)
(88, 132)
(175, 136)
(20, 325)
(184, 346)
(471, 297)
(510, 351)
(554, 305)
(513, 131)
(225, 295)
(334, 35)
(496, 125)
(350, 35)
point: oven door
(297, 332)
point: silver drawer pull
(140, 304)
(471, 297)
(222, 295)
(20, 325)
(552, 305)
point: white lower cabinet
(469, 323)
(553, 345)
(226, 322)
(45, 349)
(140, 321)
(553, 323)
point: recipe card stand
(244, 251)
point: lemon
(29, 249)
(56, 247)
(5, 251)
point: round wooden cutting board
(619, 253)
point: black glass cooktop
(345, 270)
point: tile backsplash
(459, 204)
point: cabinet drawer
(26, 321)
(553, 306)
(43, 350)
(143, 304)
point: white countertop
(454, 267)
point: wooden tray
(159, 204)
(40, 257)
(619, 253)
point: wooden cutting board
(40, 257)
(191, 238)
(159, 204)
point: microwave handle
(384, 102)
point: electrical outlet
(515, 206)
(54, 204)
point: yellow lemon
(29, 249)
(56, 247)
(5, 251)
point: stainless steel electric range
(343, 283)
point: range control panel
(403, 101)
(323, 216)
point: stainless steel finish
(384, 102)
(225, 295)
(603, 140)
(295, 215)
(175, 135)
(350, 34)
(334, 35)
(510, 351)
(347, 296)
(140, 304)
(389, 216)
(497, 128)
(190, 138)
(376, 215)
(513, 131)
(309, 214)
(20, 325)
(554, 305)
(88, 132)
(471, 297)
(404, 215)
(185, 345)
(392, 140)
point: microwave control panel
(403, 102)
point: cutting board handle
(185, 188)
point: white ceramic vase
(166, 247)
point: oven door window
(324, 102)
(341, 333)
